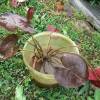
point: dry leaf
(75, 72)
(59, 6)
(8, 46)
(69, 10)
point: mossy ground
(13, 71)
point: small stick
(35, 60)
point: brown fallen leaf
(8, 46)
(68, 10)
(59, 6)
(9, 53)
(75, 72)
(12, 21)
(8, 42)
(83, 26)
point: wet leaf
(52, 28)
(75, 72)
(94, 77)
(8, 46)
(59, 6)
(12, 21)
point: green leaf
(19, 93)
(85, 88)
(97, 94)
(89, 98)
(3, 1)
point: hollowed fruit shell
(57, 41)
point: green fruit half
(57, 41)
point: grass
(93, 2)
(13, 71)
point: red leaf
(12, 21)
(94, 76)
(52, 28)
(30, 13)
